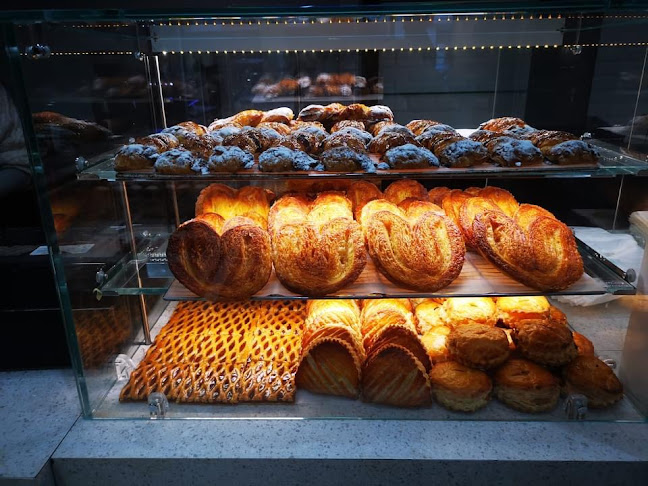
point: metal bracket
(158, 405)
(611, 362)
(124, 366)
(576, 406)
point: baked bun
(403, 189)
(278, 115)
(282, 159)
(177, 161)
(409, 156)
(430, 313)
(470, 310)
(545, 342)
(224, 252)
(457, 387)
(478, 346)
(360, 193)
(435, 342)
(514, 309)
(226, 159)
(583, 345)
(526, 386)
(591, 377)
(345, 159)
(317, 246)
(418, 248)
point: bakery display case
(387, 213)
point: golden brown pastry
(278, 115)
(470, 310)
(221, 123)
(452, 202)
(177, 161)
(478, 346)
(360, 193)
(347, 123)
(430, 313)
(526, 386)
(334, 318)
(297, 124)
(591, 377)
(508, 151)
(564, 148)
(317, 247)
(254, 140)
(459, 151)
(388, 140)
(533, 247)
(306, 139)
(224, 252)
(514, 309)
(392, 375)
(347, 137)
(436, 194)
(376, 128)
(583, 345)
(161, 141)
(468, 211)
(249, 118)
(194, 127)
(435, 342)
(501, 197)
(418, 248)
(457, 387)
(545, 342)
(502, 124)
(280, 128)
(403, 189)
(419, 126)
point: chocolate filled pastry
(280, 128)
(344, 159)
(591, 377)
(306, 139)
(297, 124)
(388, 140)
(478, 346)
(526, 386)
(409, 156)
(564, 148)
(431, 138)
(511, 152)
(226, 159)
(418, 248)
(439, 128)
(360, 193)
(377, 113)
(430, 314)
(505, 123)
(225, 251)
(533, 247)
(278, 115)
(254, 140)
(317, 247)
(175, 162)
(459, 152)
(457, 387)
(435, 342)
(394, 128)
(419, 126)
(377, 127)
(282, 159)
(193, 127)
(161, 141)
(545, 342)
(347, 123)
(470, 310)
(347, 137)
(136, 157)
(583, 345)
(403, 189)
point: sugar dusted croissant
(418, 248)
(317, 247)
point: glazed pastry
(219, 124)
(591, 377)
(505, 123)
(419, 126)
(410, 156)
(468, 211)
(297, 124)
(344, 159)
(470, 310)
(403, 189)
(457, 387)
(161, 141)
(225, 251)
(360, 193)
(347, 123)
(503, 199)
(388, 140)
(478, 346)
(282, 159)
(317, 247)
(436, 194)
(254, 140)
(175, 162)
(583, 345)
(347, 137)
(526, 386)
(418, 248)
(226, 159)
(278, 115)
(435, 342)
(563, 148)
(545, 342)
(430, 314)
(533, 247)
(431, 138)
(249, 118)
(306, 139)
(390, 127)
(515, 309)
(451, 203)
(280, 128)
(377, 127)
(193, 127)
(198, 144)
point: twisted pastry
(399, 191)
(317, 248)
(533, 247)
(360, 193)
(417, 247)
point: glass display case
(263, 308)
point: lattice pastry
(267, 381)
(281, 317)
(267, 346)
(198, 347)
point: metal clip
(100, 277)
(139, 55)
(576, 406)
(80, 163)
(158, 405)
(38, 51)
(576, 49)
(611, 362)
(124, 366)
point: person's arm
(15, 172)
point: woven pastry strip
(281, 317)
(196, 347)
(268, 346)
(265, 381)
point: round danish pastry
(478, 346)
(591, 377)
(458, 387)
(526, 386)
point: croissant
(248, 118)
(533, 247)
(317, 248)
(278, 115)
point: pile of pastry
(223, 353)
(340, 138)
(320, 243)
(459, 351)
(324, 84)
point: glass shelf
(612, 162)
(478, 278)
